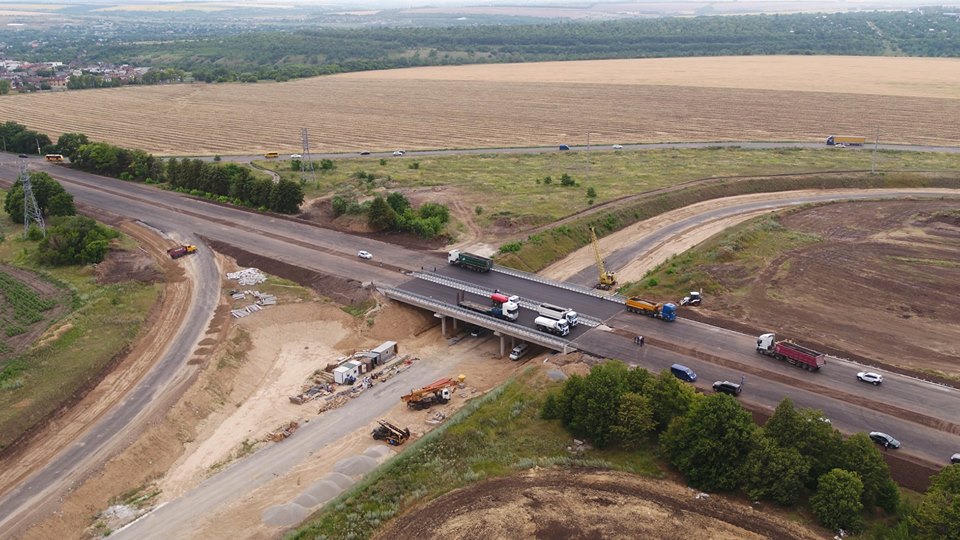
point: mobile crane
(436, 392)
(607, 279)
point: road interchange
(327, 251)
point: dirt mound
(569, 504)
(122, 265)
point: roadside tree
(670, 398)
(837, 500)
(710, 444)
(938, 514)
(806, 431)
(775, 473)
(860, 455)
(69, 143)
(75, 240)
(634, 420)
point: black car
(365, 153)
(24, 156)
(727, 387)
(885, 440)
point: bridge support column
(443, 324)
(503, 343)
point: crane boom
(607, 279)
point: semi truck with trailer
(848, 140)
(557, 312)
(797, 355)
(501, 306)
(557, 327)
(469, 261)
(666, 311)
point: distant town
(20, 76)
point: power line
(306, 162)
(31, 211)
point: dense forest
(304, 52)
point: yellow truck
(847, 140)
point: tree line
(308, 52)
(797, 457)
(229, 183)
(395, 213)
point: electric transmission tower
(306, 162)
(31, 212)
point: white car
(870, 377)
(364, 254)
(295, 156)
(399, 152)
(618, 147)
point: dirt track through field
(494, 106)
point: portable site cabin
(348, 373)
(386, 351)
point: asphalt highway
(714, 353)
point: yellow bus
(54, 157)
(271, 155)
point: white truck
(558, 327)
(557, 312)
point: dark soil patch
(121, 265)
(586, 504)
(343, 291)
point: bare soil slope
(913, 100)
(570, 504)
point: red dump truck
(797, 355)
(180, 251)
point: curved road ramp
(345, 473)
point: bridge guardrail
(559, 284)
(458, 284)
(472, 316)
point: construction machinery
(390, 433)
(180, 251)
(436, 392)
(693, 299)
(607, 279)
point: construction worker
(640, 340)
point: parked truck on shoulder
(557, 312)
(797, 355)
(666, 311)
(501, 306)
(834, 140)
(557, 327)
(469, 261)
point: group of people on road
(638, 340)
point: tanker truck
(666, 311)
(501, 306)
(557, 312)
(797, 355)
(557, 327)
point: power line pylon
(31, 212)
(306, 162)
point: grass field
(104, 320)
(506, 186)
(911, 100)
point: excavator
(436, 392)
(390, 433)
(607, 279)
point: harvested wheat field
(786, 98)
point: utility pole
(873, 157)
(38, 145)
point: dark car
(365, 153)
(683, 373)
(727, 387)
(564, 147)
(23, 156)
(955, 458)
(883, 439)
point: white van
(518, 351)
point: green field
(506, 185)
(103, 319)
